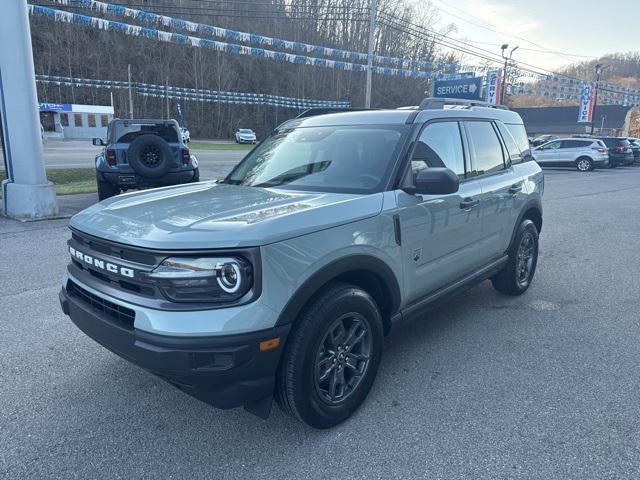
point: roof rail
(312, 112)
(434, 103)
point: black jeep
(143, 154)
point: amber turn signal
(269, 344)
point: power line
(495, 29)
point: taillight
(111, 157)
(599, 150)
(186, 156)
(619, 149)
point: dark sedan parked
(620, 152)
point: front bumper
(224, 371)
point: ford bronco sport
(281, 280)
(143, 154)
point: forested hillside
(76, 51)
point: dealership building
(563, 121)
(70, 120)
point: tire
(196, 176)
(150, 156)
(584, 164)
(512, 279)
(106, 190)
(301, 391)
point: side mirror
(436, 181)
(97, 142)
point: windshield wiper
(295, 174)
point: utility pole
(506, 66)
(130, 93)
(166, 95)
(599, 69)
(372, 37)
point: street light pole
(372, 37)
(506, 65)
(599, 69)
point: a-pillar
(26, 193)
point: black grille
(123, 315)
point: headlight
(211, 280)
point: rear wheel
(584, 164)
(332, 357)
(106, 190)
(517, 275)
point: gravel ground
(543, 386)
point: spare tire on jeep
(150, 156)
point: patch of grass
(220, 146)
(70, 180)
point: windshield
(244, 130)
(127, 132)
(343, 159)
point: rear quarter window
(519, 134)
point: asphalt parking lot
(544, 386)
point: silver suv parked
(281, 280)
(585, 154)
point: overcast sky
(576, 27)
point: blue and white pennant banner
(237, 36)
(231, 48)
(151, 90)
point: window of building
(104, 120)
(64, 119)
(77, 119)
(92, 120)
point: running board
(466, 282)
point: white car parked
(246, 135)
(585, 154)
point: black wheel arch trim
(334, 270)
(533, 204)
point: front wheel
(332, 357)
(517, 275)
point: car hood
(210, 215)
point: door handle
(517, 188)
(469, 203)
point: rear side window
(515, 154)
(519, 134)
(573, 144)
(439, 145)
(486, 147)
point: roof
(402, 116)
(565, 119)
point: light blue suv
(281, 280)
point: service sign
(464, 88)
(493, 92)
(587, 100)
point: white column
(26, 193)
